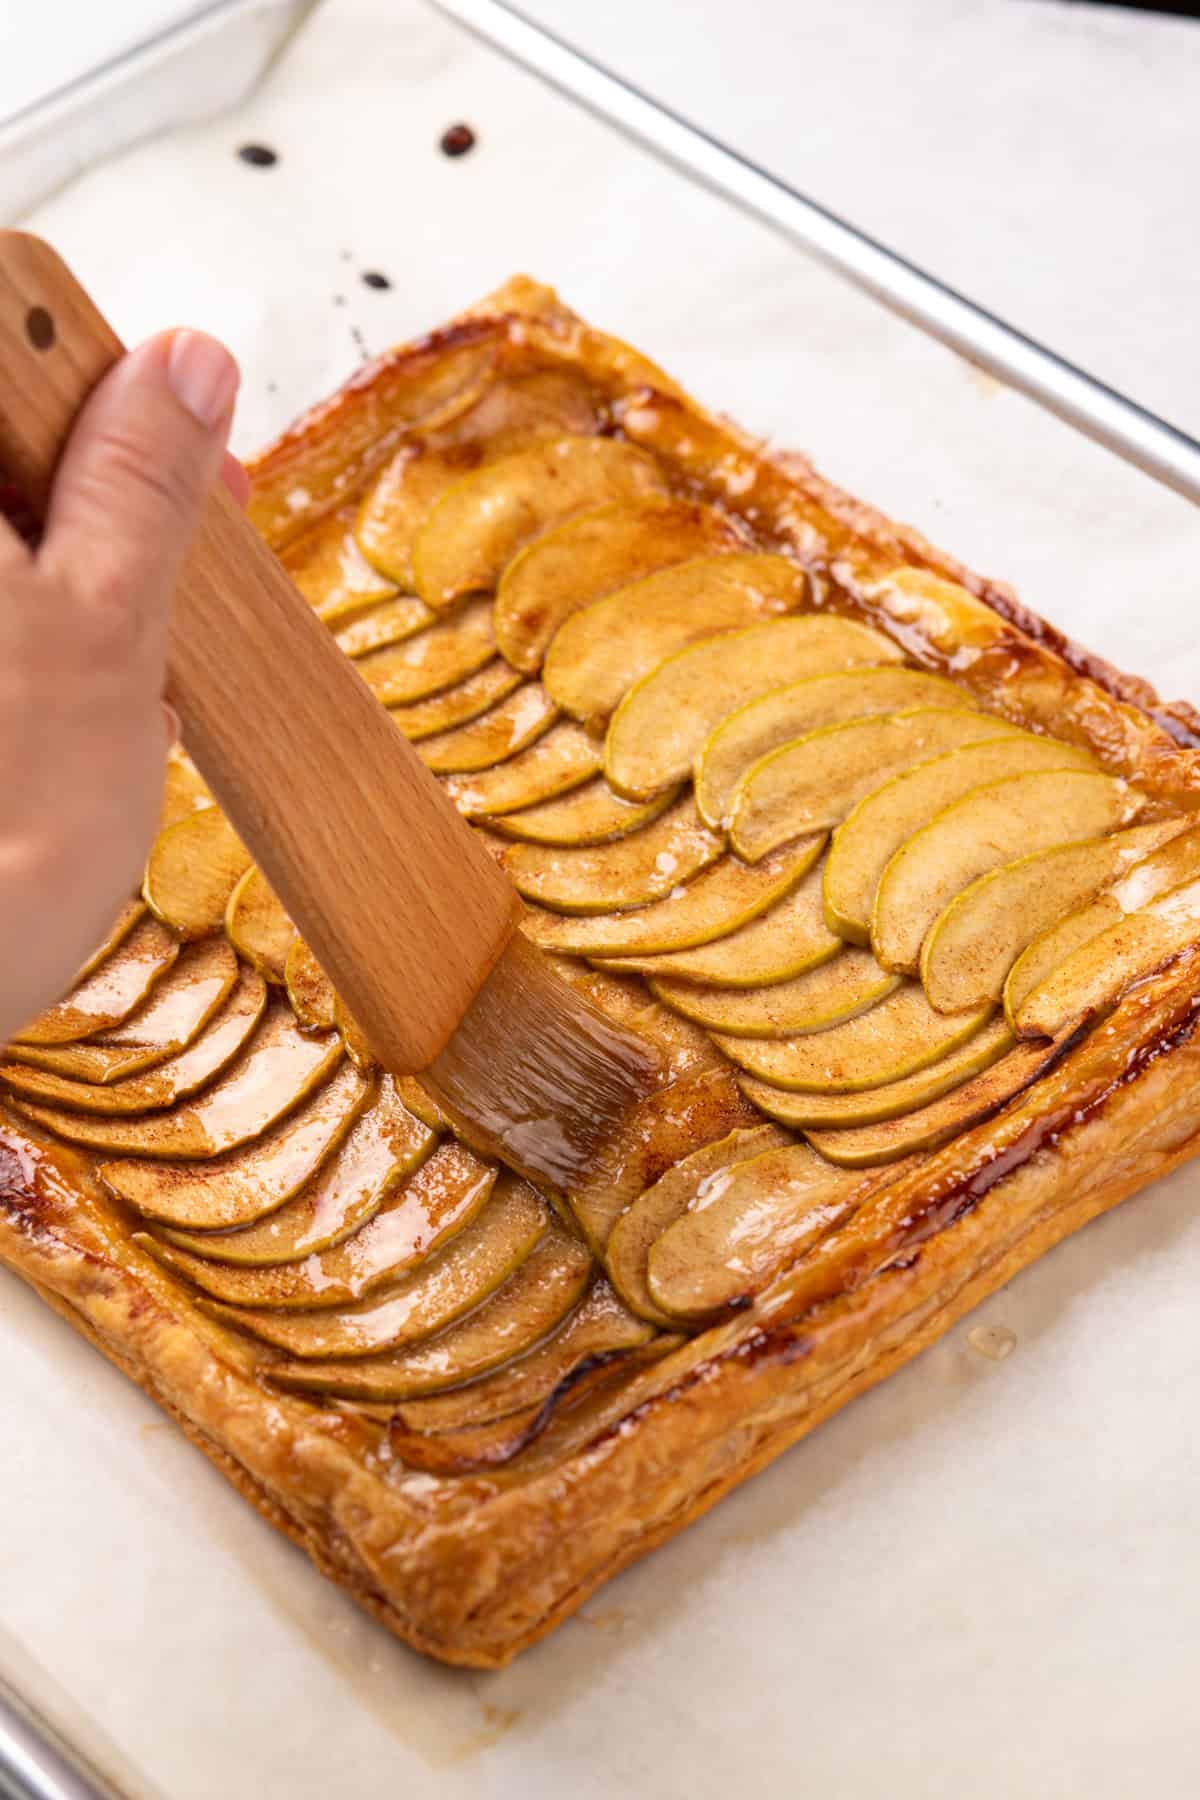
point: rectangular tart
(905, 886)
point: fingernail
(203, 377)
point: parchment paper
(980, 1581)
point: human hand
(84, 730)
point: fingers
(137, 469)
(235, 478)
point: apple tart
(905, 887)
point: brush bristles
(537, 1075)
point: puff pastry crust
(473, 1560)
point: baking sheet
(1042, 156)
(981, 1580)
(78, 82)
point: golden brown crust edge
(472, 1570)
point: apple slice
(399, 501)
(331, 571)
(512, 413)
(776, 943)
(715, 904)
(1054, 946)
(280, 1069)
(777, 717)
(354, 1039)
(1167, 866)
(387, 622)
(587, 1404)
(591, 555)
(811, 784)
(647, 865)
(252, 1181)
(987, 827)
(895, 1038)
(966, 957)
(478, 1449)
(481, 522)
(383, 1146)
(491, 1449)
(658, 1206)
(176, 1012)
(472, 1266)
(595, 1411)
(564, 758)
(862, 1146)
(743, 1226)
(661, 726)
(675, 1121)
(685, 1049)
(943, 613)
(536, 1298)
(526, 715)
(118, 931)
(591, 814)
(800, 1110)
(596, 1331)
(420, 1104)
(193, 868)
(438, 657)
(869, 837)
(257, 926)
(1172, 862)
(309, 989)
(835, 990)
(440, 1199)
(457, 705)
(110, 993)
(184, 789)
(1092, 979)
(318, 1008)
(520, 408)
(598, 654)
(171, 1081)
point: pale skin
(84, 728)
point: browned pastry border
(472, 1569)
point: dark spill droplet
(374, 279)
(457, 140)
(259, 156)
(39, 328)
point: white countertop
(1044, 157)
(980, 1581)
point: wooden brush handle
(405, 909)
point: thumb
(137, 469)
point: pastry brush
(412, 919)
